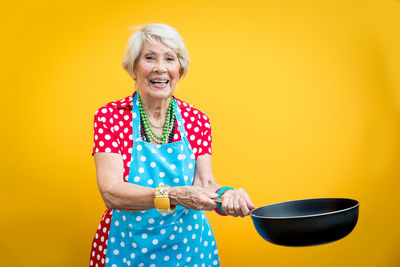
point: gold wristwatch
(161, 200)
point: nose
(160, 67)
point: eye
(149, 57)
(170, 58)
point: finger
(231, 208)
(243, 207)
(250, 204)
(238, 210)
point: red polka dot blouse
(113, 134)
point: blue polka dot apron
(148, 238)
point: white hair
(155, 33)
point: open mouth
(159, 81)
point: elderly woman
(153, 162)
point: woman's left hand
(237, 203)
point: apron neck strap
(136, 119)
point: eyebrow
(153, 52)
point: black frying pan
(306, 222)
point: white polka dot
(153, 164)
(172, 166)
(138, 218)
(162, 231)
(108, 150)
(193, 236)
(192, 137)
(169, 150)
(134, 115)
(162, 174)
(133, 255)
(179, 256)
(153, 256)
(188, 259)
(166, 258)
(150, 181)
(144, 250)
(176, 136)
(155, 241)
(185, 240)
(122, 244)
(116, 223)
(189, 228)
(176, 180)
(134, 245)
(215, 262)
(116, 252)
(101, 143)
(144, 236)
(115, 144)
(126, 117)
(143, 158)
(104, 110)
(201, 256)
(205, 243)
(116, 128)
(172, 237)
(190, 166)
(136, 179)
(139, 147)
(153, 150)
(151, 221)
(141, 170)
(163, 159)
(189, 125)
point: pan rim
(306, 216)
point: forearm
(128, 197)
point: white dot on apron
(161, 222)
(205, 243)
(116, 223)
(143, 158)
(136, 179)
(193, 236)
(153, 164)
(162, 231)
(123, 234)
(215, 251)
(172, 237)
(129, 263)
(164, 246)
(155, 241)
(190, 166)
(112, 239)
(196, 249)
(196, 226)
(144, 250)
(163, 159)
(175, 247)
(172, 166)
(176, 180)
(153, 256)
(152, 265)
(215, 262)
(151, 221)
(122, 244)
(180, 229)
(162, 174)
(133, 255)
(141, 170)
(150, 181)
(166, 258)
(134, 246)
(179, 256)
(139, 147)
(123, 217)
(180, 157)
(141, 264)
(209, 233)
(192, 156)
(185, 177)
(138, 218)
(116, 252)
(185, 240)
(169, 150)
(189, 228)
(201, 255)
(153, 150)
(107, 260)
(187, 249)
(188, 259)
(134, 115)
(209, 256)
(144, 236)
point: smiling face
(156, 71)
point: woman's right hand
(192, 197)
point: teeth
(159, 81)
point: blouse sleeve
(104, 137)
(205, 145)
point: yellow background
(304, 99)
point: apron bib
(148, 238)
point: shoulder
(189, 112)
(113, 110)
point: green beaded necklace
(168, 125)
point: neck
(156, 109)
